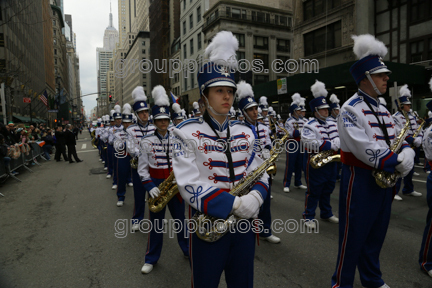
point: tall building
(124, 18)
(22, 55)
(103, 56)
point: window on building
(191, 75)
(240, 55)
(260, 16)
(199, 41)
(240, 38)
(54, 22)
(130, 42)
(143, 51)
(417, 51)
(283, 45)
(259, 79)
(184, 27)
(191, 21)
(184, 4)
(1, 39)
(129, 36)
(236, 13)
(260, 42)
(184, 51)
(191, 46)
(198, 14)
(55, 42)
(143, 43)
(263, 57)
(55, 51)
(312, 8)
(315, 41)
(55, 32)
(283, 20)
(55, 61)
(421, 10)
(228, 11)
(283, 58)
(185, 83)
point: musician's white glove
(417, 142)
(335, 144)
(406, 159)
(248, 206)
(154, 192)
(265, 154)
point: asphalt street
(58, 230)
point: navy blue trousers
(408, 183)
(122, 171)
(425, 255)
(110, 157)
(234, 253)
(155, 237)
(265, 214)
(293, 164)
(364, 215)
(320, 184)
(139, 197)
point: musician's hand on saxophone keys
(248, 206)
(406, 159)
(155, 192)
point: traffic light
(110, 98)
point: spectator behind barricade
(4, 151)
(37, 136)
(49, 142)
(13, 137)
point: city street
(58, 230)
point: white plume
(176, 107)
(232, 110)
(334, 99)
(127, 109)
(318, 89)
(259, 110)
(430, 84)
(302, 101)
(223, 47)
(430, 114)
(271, 110)
(160, 96)
(404, 91)
(112, 112)
(190, 115)
(366, 44)
(382, 101)
(243, 90)
(278, 116)
(183, 111)
(117, 108)
(295, 99)
(138, 94)
(195, 105)
(263, 100)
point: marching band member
(294, 160)
(249, 107)
(135, 133)
(260, 117)
(109, 150)
(425, 255)
(334, 114)
(319, 135)
(400, 122)
(97, 136)
(212, 172)
(178, 115)
(366, 130)
(240, 116)
(232, 114)
(264, 109)
(122, 167)
(280, 123)
(303, 108)
(154, 166)
(334, 108)
(117, 126)
(196, 109)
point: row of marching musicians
(365, 133)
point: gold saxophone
(134, 163)
(211, 229)
(417, 131)
(93, 139)
(323, 158)
(168, 190)
(385, 179)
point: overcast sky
(90, 18)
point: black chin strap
(207, 119)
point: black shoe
(79, 161)
(71, 161)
